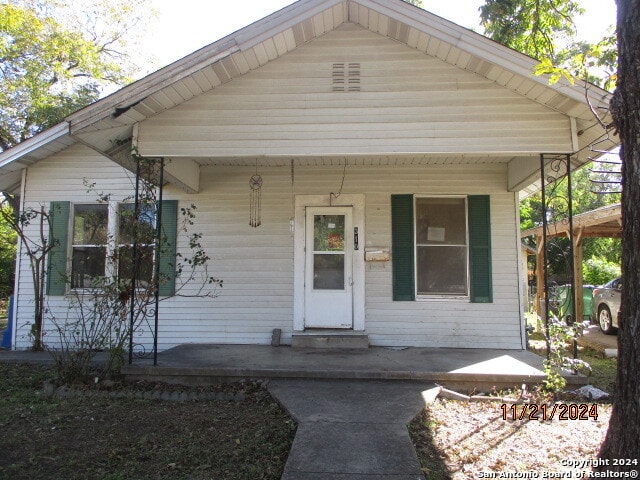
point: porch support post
(156, 276)
(578, 251)
(136, 262)
(540, 276)
(545, 283)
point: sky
(184, 26)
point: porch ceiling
(328, 161)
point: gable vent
(346, 77)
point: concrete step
(330, 340)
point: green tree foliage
(7, 252)
(594, 62)
(534, 28)
(598, 251)
(545, 30)
(56, 57)
(597, 271)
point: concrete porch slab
(462, 369)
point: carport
(604, 222)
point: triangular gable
(352, 92)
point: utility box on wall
(377, 254)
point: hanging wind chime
(255, 206)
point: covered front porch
(462, 369)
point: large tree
(622, 440)
(56, 57)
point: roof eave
(41, 139)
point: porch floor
(457, 368)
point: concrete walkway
(351, 429)
(598, 341)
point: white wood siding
(61, 177)
(256, 264)
(409, 102)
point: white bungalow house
(393, 147)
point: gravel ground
(468, 440)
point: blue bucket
(7, 334)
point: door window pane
(328, 233)
(328, 272)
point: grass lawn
(113, 439)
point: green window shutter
(57, 262)
(169, 225)
(402, 248)
(480, 249)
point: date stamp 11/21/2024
(560, 411)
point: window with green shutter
(93, 255)
(441, 247)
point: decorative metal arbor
(149, 180)
(557, 251)
(560, 239)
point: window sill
(443, 298)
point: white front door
(328, 290)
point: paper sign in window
(435, 234)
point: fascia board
(281, 21)
(150, 84)
(37, 141)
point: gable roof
(111, 120)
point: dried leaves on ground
(463, 440)
(85, 437)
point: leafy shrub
(7, 254)
(598, 271)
